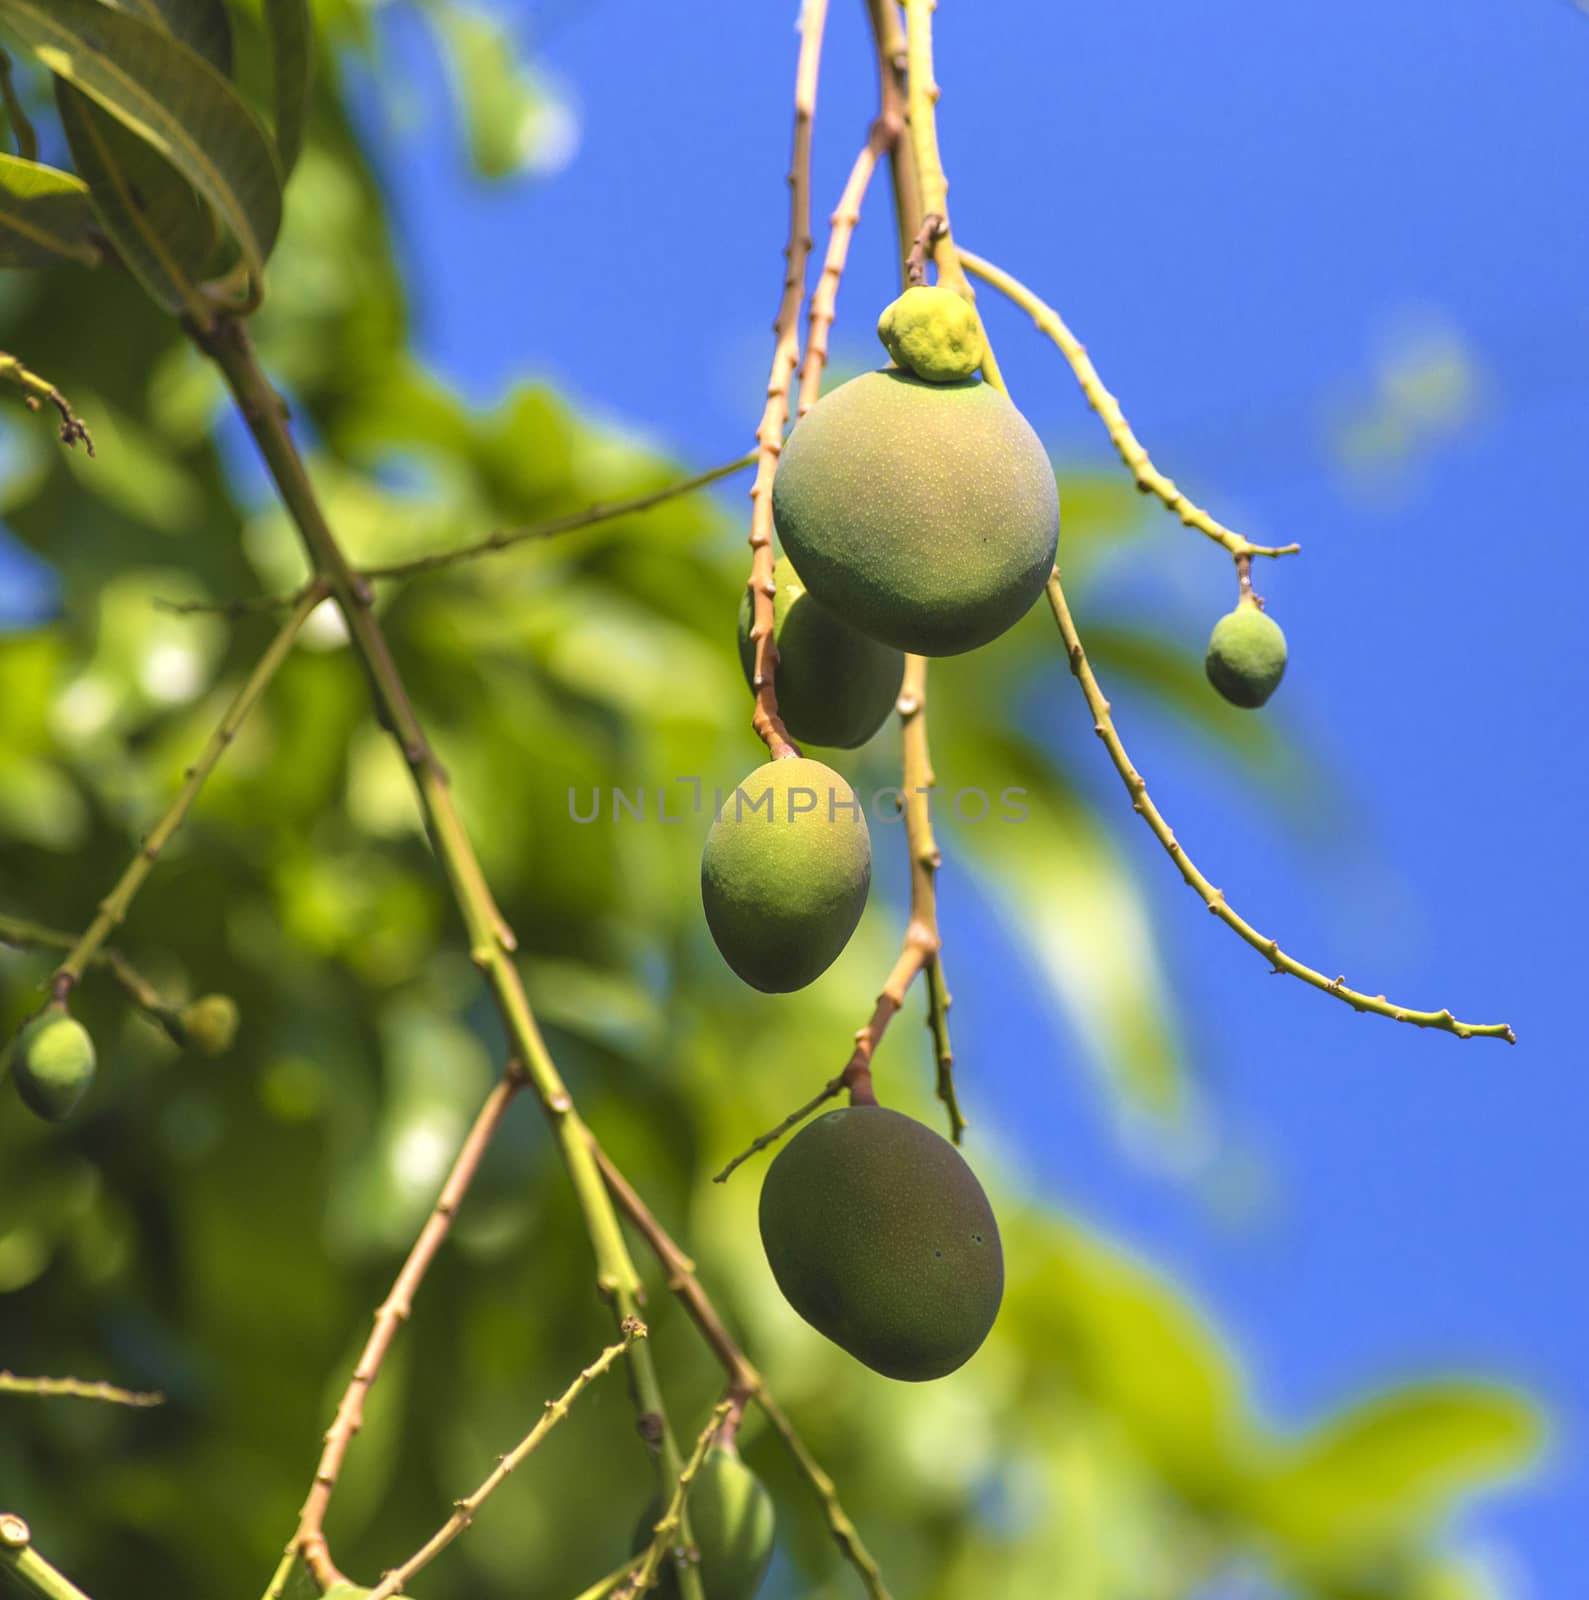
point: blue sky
(1257, 217)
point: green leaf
(164, 230)
(44, 214)
(1378, 1475)
(201, 25)
(289, 29)
(172, 98)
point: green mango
(53, 1064)
(1246, 656)
(880, 1236)
(835, 686)
(732, 1526)
(785, 873)
(209, 1024)
(924, 514)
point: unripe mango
(934, 333)
(924, 514)
(209, 1024)
(1246, 656)
(880, 1236)
(731, 1526)
(835, 685)
(785, 873)
(53, 1063)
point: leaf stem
(21, 934)
(78, 1389)
(37, 391)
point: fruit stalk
(113, 909)
(27, 1566)
(1146, 476)
(21, 934)
(1214, 899)
(491, 939)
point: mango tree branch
(775, 413)
(743, 1379)
(842, 225)
(1214, 899)
(24, 1563)
(37, 391)
(398, 1305)
(21, 934)
(78, 1389)
(1147, 477)
(501, 539)
(491, 940)
(113, 909)
(465, 1510)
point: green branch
(491, 941)
(22, 1561)
(22, 934)
(78, 1389)
(37, 391)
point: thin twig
(37, 391)
(113, 909)
(21, 934)
(743, 1378)
(501, 539)
(398, 1305)
(465, 1510)
(666, 1533)
(829, 1091)
(921, 249)
(775, 413)
(842, 225)
(1214, 899)
(1147, 477)
(79, 1389)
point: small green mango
(732, 1526)
(53, 1064)
(880, 1236)
(924, 514)
(934, 333)
(1246, 656)
(209, 1024)
(785, 873)
(835, 686)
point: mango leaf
(44, 214)
(164, 230)
(172, 98)
(1377, 1476)
(201, 25)
(289, 29)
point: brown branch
(921, 249)
(785, 360)
(843, 222)
(393, 1312)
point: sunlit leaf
(45, 215)
(169, 96)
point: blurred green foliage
(221, 1229)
